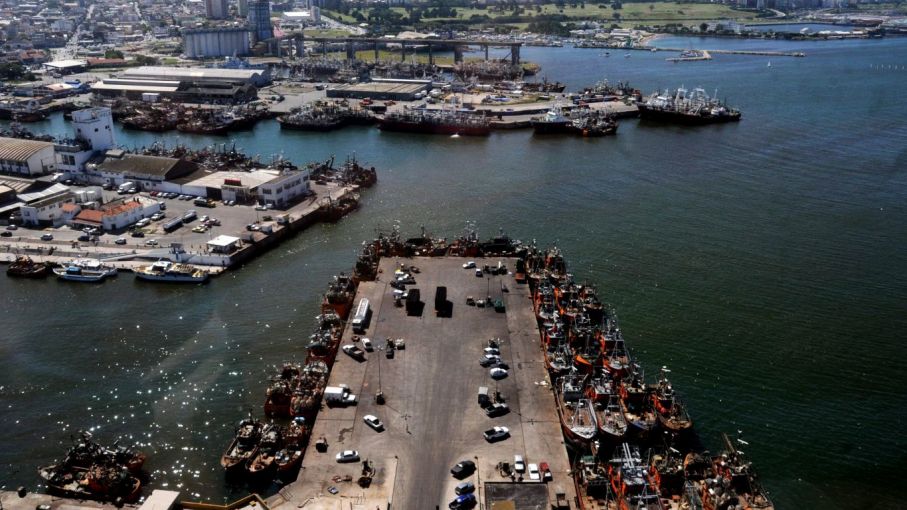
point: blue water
(765, 262)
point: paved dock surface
(431, 415)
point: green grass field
(631, 13)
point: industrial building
(149, 173)
(26, 157)
(255, 77)
(217, 42)
(278, 188)
(179, 91)
(379, 88)
(45, 208)
(216, 9)
(260, 20)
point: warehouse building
(26, 157)
(148, 173)
(254, 77)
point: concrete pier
(431, 415)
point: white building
(301, 18)
(46, 208)
(95, 126)
(217, 42)
(116, 215)
(26, 157)
(283, 188)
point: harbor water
(764, 262)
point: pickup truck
(354, 352)
(339, 396)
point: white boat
(166, 271)
(85, 270)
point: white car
(498, 373)
(519, 465)
(492, 350)
(348, 456)
(373, 422)
(367, 344)
(469, 265)
(534, 472)
(400, 344)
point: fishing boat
(687, 107)
(438, 122)
(733, 483)
(264, 462)
(295, 436)
(672, 414)
(577, 415)
(85, 270)
(100, 482)
(633, 483)
(244, 446)
(592, 126)
(166, 271)
(609, 410)
(279, 395)
(307, 395)
(553, 122)
(25, 267)
(339, 296)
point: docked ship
(609, 410)
(264, 462)
(100, 482)
(27, 111)
(280, 391)
(92, 471)
(311, 119)
(166, 271)
(85, 270)
(244, 446)
(295, 436)
(576, 411)
(207, 123)
(685, 107)
(339, 296)
(633, 484)
(553, 122)
(672, 414)
(307, 395)
(25, 267)
(436, 122)
(594, 125)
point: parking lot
(431, 414)
(152, 240)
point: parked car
(489, 359)
(367, 344)
(546, 471)
(498, 409)
(465, 488)
(400, 344)
(6, 233)
(463, 502)
(158, 216)
(373, 422)
(348, 456)
(12, 227)
(389, 349)
(469, 265)
(498, 373)
(47, 237)
(463, 469)
(492, 350)
(120, 240)
(496, 434)
(479, 273)
(137, 233)
(151, 242)
(534, 472)
(519, 465)
(84, 238)
(471, 301)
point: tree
(113, 54)
(616, 16)
(145, 60)
(703, 27)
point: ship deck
(431, 414)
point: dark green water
(765, 263)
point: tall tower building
(216, 9)
(260, 20)
(94, 126)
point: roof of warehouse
(17, 149)
(192, 72)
